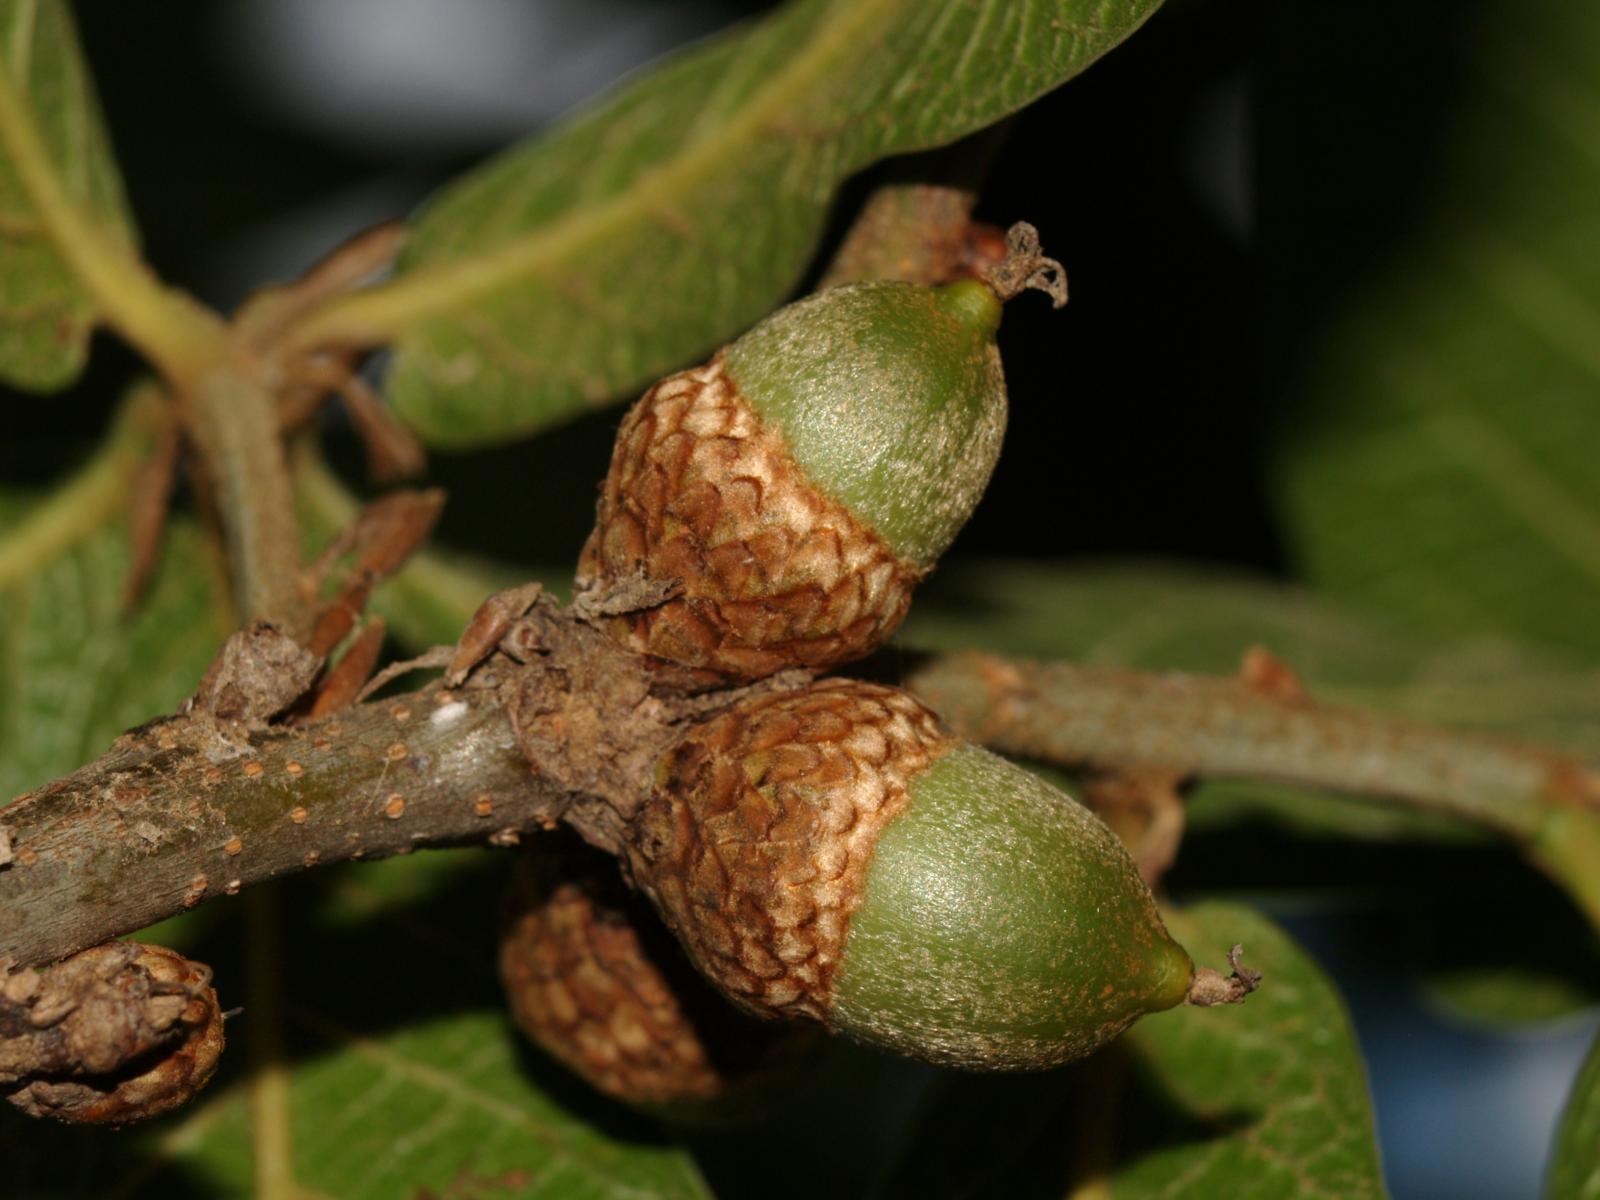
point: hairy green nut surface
(781, 501)
(831, 853)
(891, 399)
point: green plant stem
(229, 412)
(177, 334)
(1546, 803)
(233, 420)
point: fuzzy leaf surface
(1440, 461)
(45, 313)
(78, 671)
(646, 230)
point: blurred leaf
(1266, 1100)
(1443, 468)
(587, 262)
(1575, 1167)
(405, 1077)
(77, 671)
(1176, 619)
(1511, 994)
(1500, 948)
(45, 313)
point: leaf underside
(585, 263)
(1440, 463)
(77, 669)
(45, 313)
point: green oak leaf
(649, 228)
(1439, 453)
(45, 312)
(1575, 1167)
(78, 670)
(1259, 1101)
(1272, 1094)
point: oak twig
(557, 724)
(1546, 803)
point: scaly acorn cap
(790, 493)
(179, 1004)
(596, 983)
(832, 853)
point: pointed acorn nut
(786, 497)
(595, 982)
(832, 853)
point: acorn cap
(832, 853)
(594, 981)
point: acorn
(597, 984)
(776, 506)
(143, 996)
(831, 853)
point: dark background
(1210, 187)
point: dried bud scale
(595, 982)
(831, 853)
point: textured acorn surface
(591, 986)
(891, 399)
(1003, 926)
(831, 853)
(151, 1084)
(795, 489)
(756, 842)
(773, 574)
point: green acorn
(596, 983)
(786, 497)
(832, 853)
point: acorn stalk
(833, 854)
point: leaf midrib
(392, 308)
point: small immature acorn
(141, 1040)
(595, 982)
(776, 506)
(832, 853)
